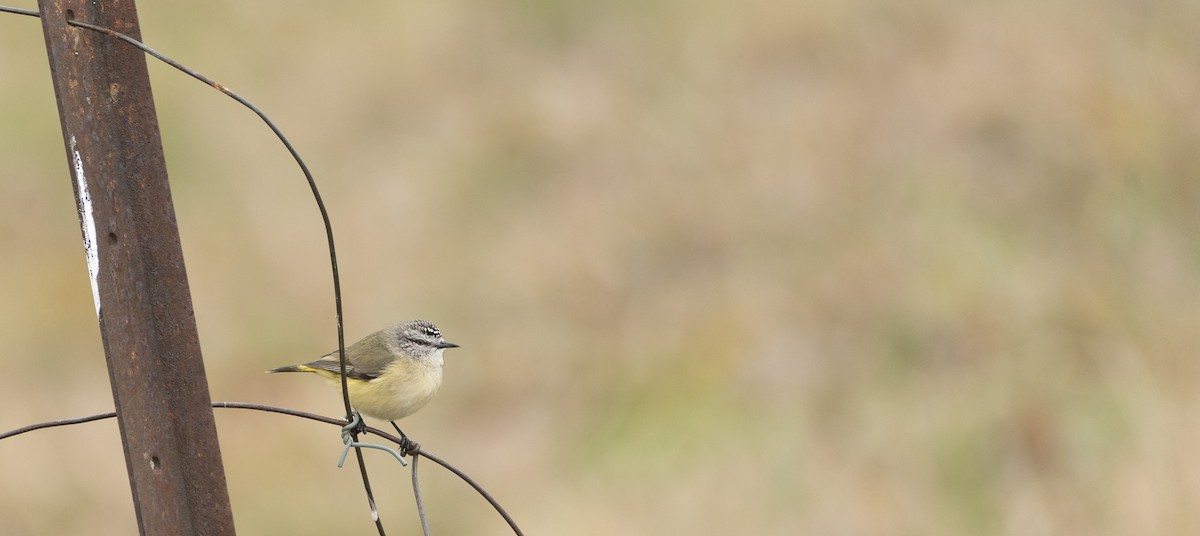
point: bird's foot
(407, 446)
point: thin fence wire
(417, 495)
(406, 446)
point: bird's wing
(365, 360)
(332, 365)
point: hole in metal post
(154, 463)
(70, 14)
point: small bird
(391, 373)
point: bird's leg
(399, 431)
(407, 446)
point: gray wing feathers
(365, 359)
(336, 368)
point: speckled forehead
(429, 330)
(420, 332)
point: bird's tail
(293, 368)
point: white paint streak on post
(89, 226)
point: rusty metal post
(136, 267)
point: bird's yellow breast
(405, 387)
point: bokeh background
(760, 267)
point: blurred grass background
(761, 267)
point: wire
(51, 424)
(405, 445)
(417, 494)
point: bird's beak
(445, 344)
